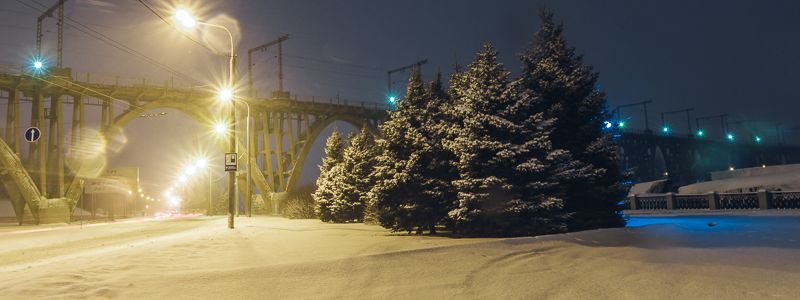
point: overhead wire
(111, 42)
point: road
(199, 258)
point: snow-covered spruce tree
(569, 95)
(352, 178)
(483, 186)
(406, 195)
(334, 154)
(506, 162)
(441, 163)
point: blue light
(700, 133)
(392, 99)
(730, 137)
(621, 124)
(757, 139)
(665, 129)
(38, 65)
(607, 124)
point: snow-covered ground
(275, 258)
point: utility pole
(279, 41)
(49, 13)
(642, 103)
(680, 111)
(400, 69)
(722, 122)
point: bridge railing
(715, 201)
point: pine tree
(352, 179)
(481, 142)
(567, 89)
(406, 194)
(323, 196)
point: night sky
(734, 57)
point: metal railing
(723, 201)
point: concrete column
(292, 147)
(671, 201)
(12, 121)
(37, 154)
(713, 200)
(763, 199)
(267, 136)
(634, 201)
(279, 120)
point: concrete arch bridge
(282, 132)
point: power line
(338, 63)
(334, 72)
(111, 42)
(173, 26)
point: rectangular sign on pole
(230, 162)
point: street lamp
(225, 94)
(188, 21)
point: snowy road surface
(274, 258)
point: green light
(730, 137)
(757, 139)
(665, 129)
(621, 125)
(392, 99)
(38, 64)
(700, 133)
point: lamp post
(188, 21)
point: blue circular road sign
(32, 134)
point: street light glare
(225, 94)
(201, 163)
(37, 64)
(185, 18)
(189, 170)
(220, 128)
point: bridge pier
(13, 121)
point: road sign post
(32, 134)
(230, 162)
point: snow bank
(273, 258)
(776, 181)
(650, 187)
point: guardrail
(717, 201)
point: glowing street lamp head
(189, 170)
(201, 163)
(182, 179)
(225, 94)
(621, 124)
(665, 129)
(38, 65)
(700, 133)
(220, 128)
(185, 18)
(730, 137)
(392, 99)
(757, 139)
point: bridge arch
(197, 111)
(314, 133)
